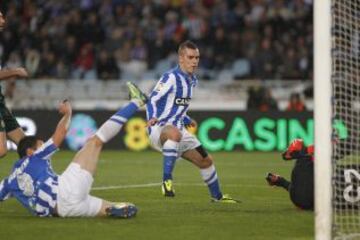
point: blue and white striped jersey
(170, 99)
(33, 182)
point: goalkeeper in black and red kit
(301, 187)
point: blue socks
(210, 178)
(127, 111)
(209, 175)
(114, 124)
(170, 153)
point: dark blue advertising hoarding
(217, 130)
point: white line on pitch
(146, 185)
(127, 186)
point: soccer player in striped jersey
(39, 189)
(9, 127)
(167, 118)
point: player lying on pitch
(301, 187)
(38, 188)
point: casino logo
(182, 101)
(82, 127)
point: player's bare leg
(15, 136)
(3, 146)
(195, 157)
(88, 156)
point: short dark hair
(187, 44)
(25, 143)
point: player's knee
(209, 160)
(95, 140)
(175, 136)
(206, 162)
(170, 132)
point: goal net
(345, 36)
(337, 118)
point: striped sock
(170, 153)
(114, 124)
(210, 178)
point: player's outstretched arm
(11, 73)
(64, 123)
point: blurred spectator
(266, 61)
(268, 102)
(84, 63)
(74, 25)
(291, 67)
(193, 23)
(254, 98)
(62, 70)
(138, 51)
(69, 50)
(47, 66)
(275, 37)
(14, 60)
(158, 49)
(295, 103)
(221, 48)
(106, 67)
(115, 39)
(92, 30)
(131, 60)
(32, 60)
(261, 99)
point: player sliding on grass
(9, 127)
(301, 187)
(167, 118)
(39, 189)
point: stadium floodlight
(337, 97)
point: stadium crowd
(114, 39)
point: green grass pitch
(265, 212)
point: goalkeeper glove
(298, 150)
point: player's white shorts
(187, 142)
(73, 199)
